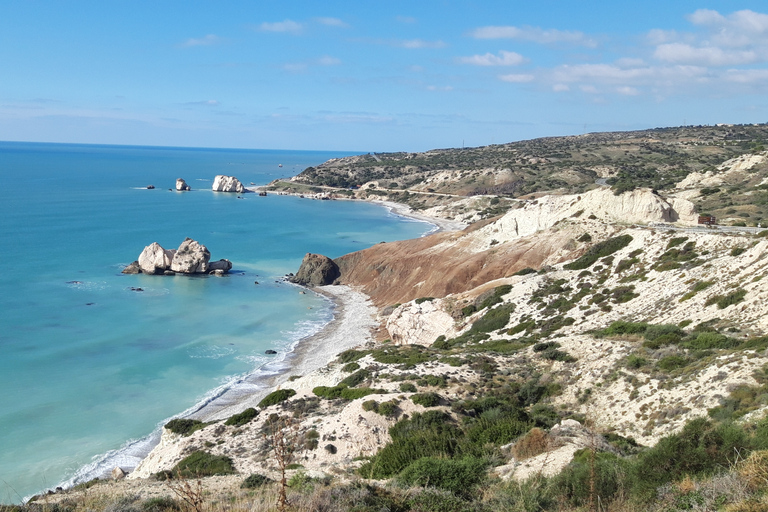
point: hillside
(587, 349)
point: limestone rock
(181, 185)
(227, 184)
(133, 268)
(223, 265)
(316, 270)
(191, 258)
(154, 259)
(118, 473)
(420, 324)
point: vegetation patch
(185, 426)
(199, 464)
(599, 250)
(723, 301)
(276, 397)
(242, 418)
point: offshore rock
(132, 268)
(227, 184)
(154, 259)
(181, 185)
(316, 270)
(222, 265)
(190, 258)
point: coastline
(352, 324)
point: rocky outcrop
(316, 270)
(191, 258)
(420, 324)
(154, 259)
(181, 185)
(227, 184)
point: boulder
(316, 270)
(227, 184)
(223, 265)
(154, 259)
(118, 473)
(132, 268)
(191, 258)
(181, 185)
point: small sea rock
(270, 352)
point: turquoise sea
(90, 367)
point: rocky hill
(590, 349)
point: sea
(92, 361)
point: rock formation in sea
(181, 185)
(227, 184)
(191, 257)
(316, 270)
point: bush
(184, 426)
(736, 251)
(200, 464)
(493, 320)
(424, 299)
(356, 378)
(621, 328)
(459, 476)
(495, 297)
(603, 472)
(426, 399)
(535, 442)
(436, 500)
(599, 250)
(371, 405)
(710, 340)
(350, 367)
(388, 409)
(670, 363)
(244, 417)
(351, 355)
(255, 480)
(723, 302)
(276, 397)
(635, 362)
(160, 504)
(529, 270)
(407, 387)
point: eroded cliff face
(541, 232)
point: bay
(93, 361)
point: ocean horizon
(95, 361)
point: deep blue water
(88, 364)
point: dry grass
(535, 442)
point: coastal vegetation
(605, 365)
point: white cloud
(560, 88)
(517, 78)
(420, 43)
(748, 76)
(504, 58)
(208, 40)
(680, 53)
(331, 22)
(589, 89)
(706, 17)
(658, 36)
(205, 103)
(327, 60)
(287, 26)
(627, 91)
(534, 34)
(743, 28)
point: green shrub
(635, 362)
(407, 356)
(432, 380)
(496, 296)
(350, 367)
(407, 387)
(674, 242)
(493, 320)
(736, 251)
(242, 418)
(586, 238)
(276, 397)
(184, 426)
(554, 354)
(432, 499)
(697, 287)
(356, 378)
(352, 355)
(426, 399)
(723, 302)
(710, 340)
(541, 347)
(672, 362)
(622, 328)
(370, 405)
(200, 464)
(459, 476)
(424, 299)
(528, 270)
(160, 504)
(255, 480)
(388, 409)
(599, 250)
(468, 310)
(602, 472)
(669, 332)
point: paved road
(709, 229)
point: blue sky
(373, 76)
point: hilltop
(582, 344)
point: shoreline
(352, 324)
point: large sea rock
(154, 259)
(227, 184)
(181, 185)
(316, 270)
(191, 258)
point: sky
(373, 76)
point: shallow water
(87, 362)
